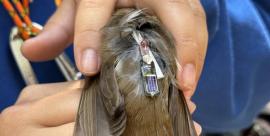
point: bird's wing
(99, 114)
(180, 115)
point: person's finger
(179, 19)
(187, 79)
(191, 106)
(202, 39)
(202, 33)
(191, 32)
(36, 92)
(91, 17)
(54, 110)
(198, 128)
(55, 37)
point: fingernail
(191, 106)
(189, 76)
(89, 61)
(198, 128)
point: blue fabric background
(235, 83)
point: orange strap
(26, 6)
(19, 12)
(57, 2)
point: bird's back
(135, 93)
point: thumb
(55, 37)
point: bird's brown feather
(113, 102)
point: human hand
(81, 21)
(47, 110)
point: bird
(136, 91)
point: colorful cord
(19, 12)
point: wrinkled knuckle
(12, 119)
(91, 30)
(186, 40)
(177, 2)
(10, 114)
(201, 58)
(187, 87)
(197, 9)
(81, 35)
(54, 24)
(8, 111)
(92, 4)
(27, 91)
(200, 14)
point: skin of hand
(47, 110)
(81, 21)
